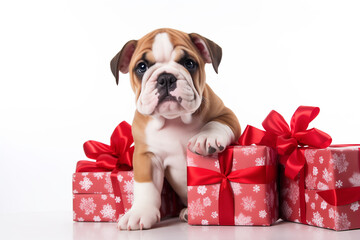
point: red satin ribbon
(289, 141)
(114, 157)
(286, 140)
(253, 175)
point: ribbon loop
(114, 157)
(287, 139)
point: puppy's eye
(189, 64)
(141, 68)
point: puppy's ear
(122, 59)
(210, 51)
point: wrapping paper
(94, 199)
(325, 169)
(254, 204)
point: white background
(57, 90)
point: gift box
(94, 199)
(331, 192)
(318, 183)
(235, 187)
(103, 189)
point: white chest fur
(171, 140)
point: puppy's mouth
(168, 98)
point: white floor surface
(60, 226)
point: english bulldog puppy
(175, 110)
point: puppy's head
(167, 71)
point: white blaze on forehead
(162, 48)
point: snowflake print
(217, 164)
(215, 191)
(243, 220)
(130, 198)
(117, 199)
(248, 150)
(103, 197)
(310, 155)
(339, 162)
(80, 219)
(131, 174)
(129, 186)
(338, 184)
(97, 219)
(214, 215)
(317, 219)
(323, 205)
(207, 202)
(190, 188)
(256, 188)
(74, 215)
(321, 160)
(204, 222)
(331, 213)
(327, 176)
(112, 195)
(190, 162)
(341, 221)
(322, 186)
(315, 171)
(120, 178)
(355, 206)
(108, 211)
(75, 191)
(236, 187)
(316, 197)
(293, 192)
(201, 190)
(196, 209)
(310, 181)
(99, 175)
(307, 197)
(86, 183)
(87, 205)
(85, 174)
(262, 213)
(269, 199)
(286, 210)
(260, 161)
(312, 205)
(248, 203)
(108, 185)
(355, 179)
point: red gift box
(332, 189)
(237, 187)
(103, 189)
(309, 187)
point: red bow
(114, 157)
(200, 176)
(287, 139)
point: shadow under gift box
(254, 203)
(94, 199)
(333, 168)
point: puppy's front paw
(205, 144)
(139, 218)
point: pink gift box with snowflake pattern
(326, 169)
(254, 204)
(94, 199)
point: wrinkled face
(167, 71)
(167, 77)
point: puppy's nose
(167, 80)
